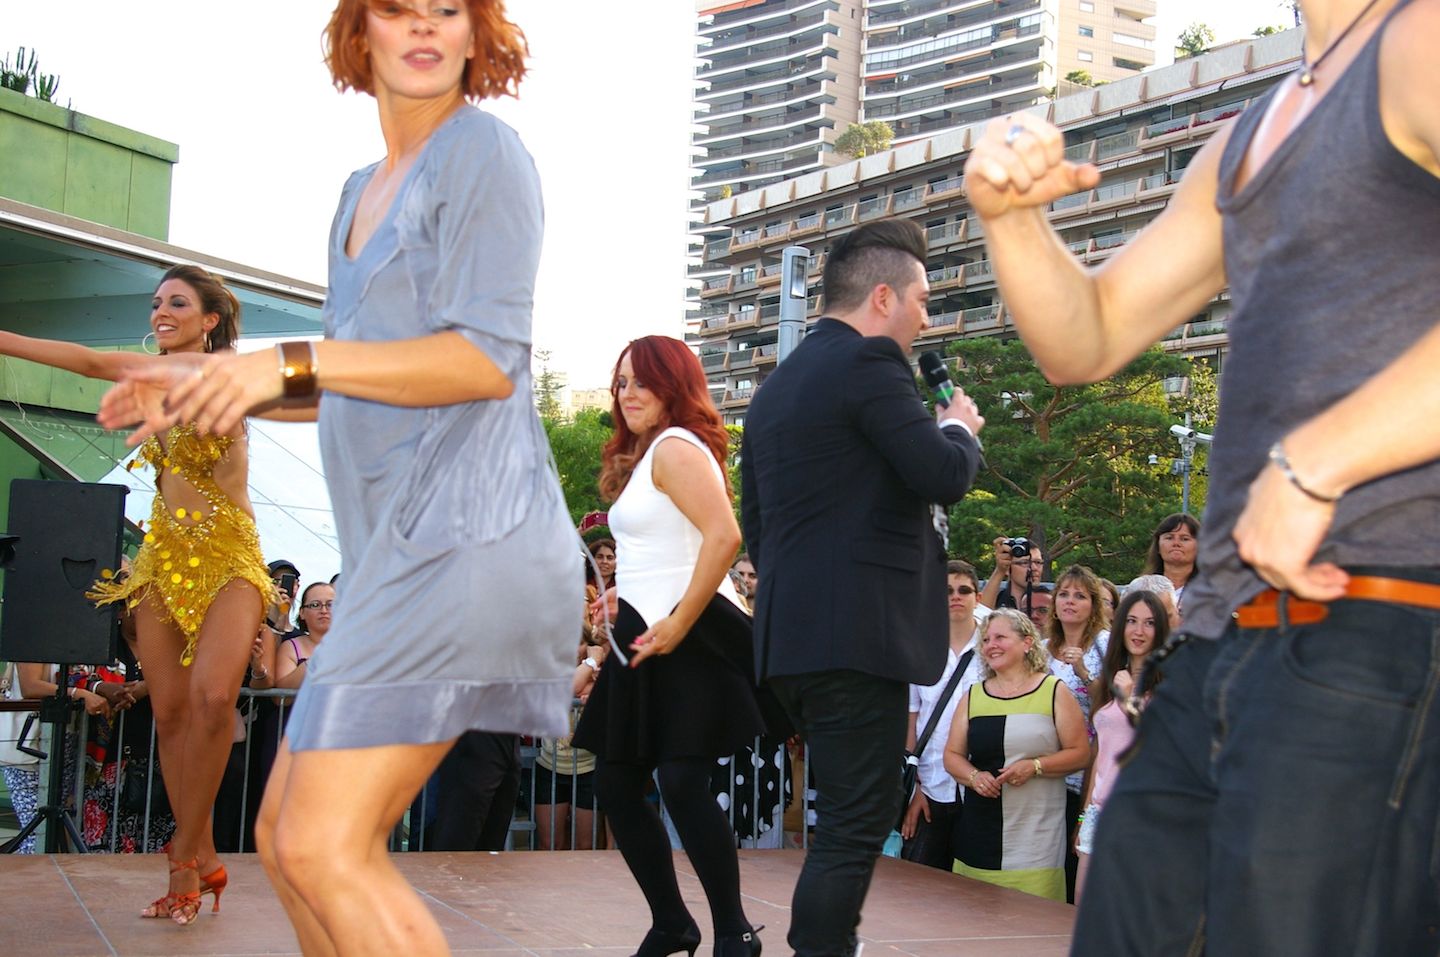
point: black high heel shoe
(740, 945)
(662, 943)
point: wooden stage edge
(562, 904)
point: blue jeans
(1283, 797)
(855, 726)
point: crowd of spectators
(1068, 638)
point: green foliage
(1194, 40)
(1080, 78)
(1266, 31)
(576, 445)
(25, 73)
(862, 139)
(547, 388)
(1068, 466)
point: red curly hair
(495, 70)
(672, 372)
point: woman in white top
(686, 695)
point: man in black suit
(840, 466)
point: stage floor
(504, 905)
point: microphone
(937, 377)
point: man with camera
(1282, 795)
(1019, 565)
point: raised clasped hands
(214, 392)
(1019, 162)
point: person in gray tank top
(1283, 796)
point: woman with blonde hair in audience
(1014, 737)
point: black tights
(703, 829)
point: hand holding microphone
(950, 402)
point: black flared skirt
(698, 701)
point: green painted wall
(84, 167)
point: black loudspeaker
(66, 534)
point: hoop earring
(147, 349)
(209, 346)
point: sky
(266, 142)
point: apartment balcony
(947, 234)
(980, 319)
(769, 76)
(980, 14)
(770, 275)
(726, 37)
(1136, 9)
(737, 397)
(742, 360)
(948, 48)
(714, 361)
(948, 277)
(767, 354)
(752, 13)
(752, 125)
(712, 326)
(940, 324)
(802, 138)
(787, 48)
(948, 73)
(719, 286)
(750, 170)
(952, 188)
(983, 89)
(910, 10)
(747, 103)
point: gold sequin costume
(187, 563)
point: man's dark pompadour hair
(876, 253)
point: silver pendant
(1306, 77)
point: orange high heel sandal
(182, 908)
(214, 884)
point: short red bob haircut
(671, 371)
(495, 70)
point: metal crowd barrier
(409, 833)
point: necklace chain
(1307, 69)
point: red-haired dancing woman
(686, 697)
(462, 593)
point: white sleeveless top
(656, 546)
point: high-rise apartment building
(781, 79)
(1142, 133)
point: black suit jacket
(840, 464)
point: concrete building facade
(1142, 132)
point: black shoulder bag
(910, 768)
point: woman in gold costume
(199, 584)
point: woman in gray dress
(445, 504)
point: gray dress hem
(336, 716)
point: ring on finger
(1014, 133)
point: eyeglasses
(962, 590)
(316, 605)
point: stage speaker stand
(62, 536)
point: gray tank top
(1331, 254)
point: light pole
(1188, 438)
(794, 299)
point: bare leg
(552, 829)
(330, 844)
(199, 717)
(584, 829)
(314, 942)
(1080, 872)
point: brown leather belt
(1263, 611)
